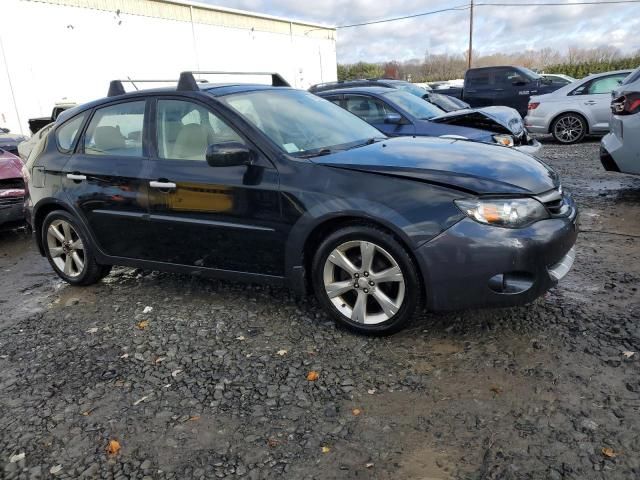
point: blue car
(399, 113)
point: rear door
(479, 90)
(225, 218)
(106, 179)
(373, 111)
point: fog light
(512, 282)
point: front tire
(366, 280)
(569, 128)
(69, 250)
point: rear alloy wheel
(569, 128)
(69, 251)
(367, 280)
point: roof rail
(116, 88)
(188, 82)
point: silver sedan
(575, 110)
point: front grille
(12, 184)
(556, 202)
(10, 201)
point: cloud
(497, 29)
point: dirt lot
(211, 382)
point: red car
(11, 191)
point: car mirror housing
(228, 154)
(393, 118)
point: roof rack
(116, 88)
(188, 82)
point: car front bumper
(533, 147)
(11, 211)
(474, 265)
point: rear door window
(479, 78)
(369, 109)
(116, 130)
(67, 133)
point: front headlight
(505, 140)
(506, 212)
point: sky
(496, 29)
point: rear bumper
(621, 153)
(536, 124)
(474, 265)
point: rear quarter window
(67, 133)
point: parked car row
(272, 184)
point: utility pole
(470, 34)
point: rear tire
(569, 128)
(366, 280)
(69, 250)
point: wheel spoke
(56, 233)
(367, 252)
(77, 245)
(393, 274)
(55, 252)
(67, 232)
(68, 263)
(340, 259)
(336, 289)
(389, 308)
(359, 313)
(77, 261)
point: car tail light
(533, 105)
(627, 104)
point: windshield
(411, 88)
(633, 76)
(530, 74)
(300, 122)
(414, 106)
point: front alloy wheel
(369, 289)
(366, 279)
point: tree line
(576, 62)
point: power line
(553, 4)
(458, 8)
(488, 4)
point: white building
(56, 50)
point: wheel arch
(575, 112)
(329, 225)
(40, 213)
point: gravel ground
(211, 381)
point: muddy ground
(211, 383)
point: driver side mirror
(393, 118)
(228, 154)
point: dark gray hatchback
(271, 184)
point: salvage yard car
(268, 183)
(575, 110)
(398, 113)
(11, 191)
(620, 149)
(9, 141)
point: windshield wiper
(369, 141)
(317, 153)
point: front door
(224, 218)
(597, 100)
(106, 179)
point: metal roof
(188, 11)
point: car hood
(11, 140)
(468, 166)
(495, 119)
